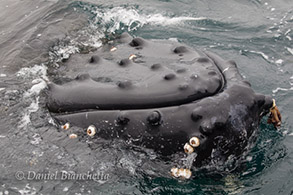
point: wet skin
(159, 98)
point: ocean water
(37, 35)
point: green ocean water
(35, 36)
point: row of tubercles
(154, 118)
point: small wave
(266, 57)
(290, 50)
(282, 89)
(119, 17)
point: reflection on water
(37, 36)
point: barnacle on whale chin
(91, 130)
(181, 173)
(72, 136)
(168, 96)
(194, 142)
(188, 148)
(65, 126)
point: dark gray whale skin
(161, 98)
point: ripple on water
(50, 148)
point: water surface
(36, 36)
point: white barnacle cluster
(181, 173)
(91, 130)
(66, 126)
(193, 143)
(72, 136)
(132, 56)
(189, 149)
(113, 49)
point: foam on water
(34, 106)
(63, 52)
(132, 19)
(32, 72)
(27, 190)
(38, 76)
(189, 160)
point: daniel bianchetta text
(61, 175)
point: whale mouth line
(136, 108)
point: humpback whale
(162, 95)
